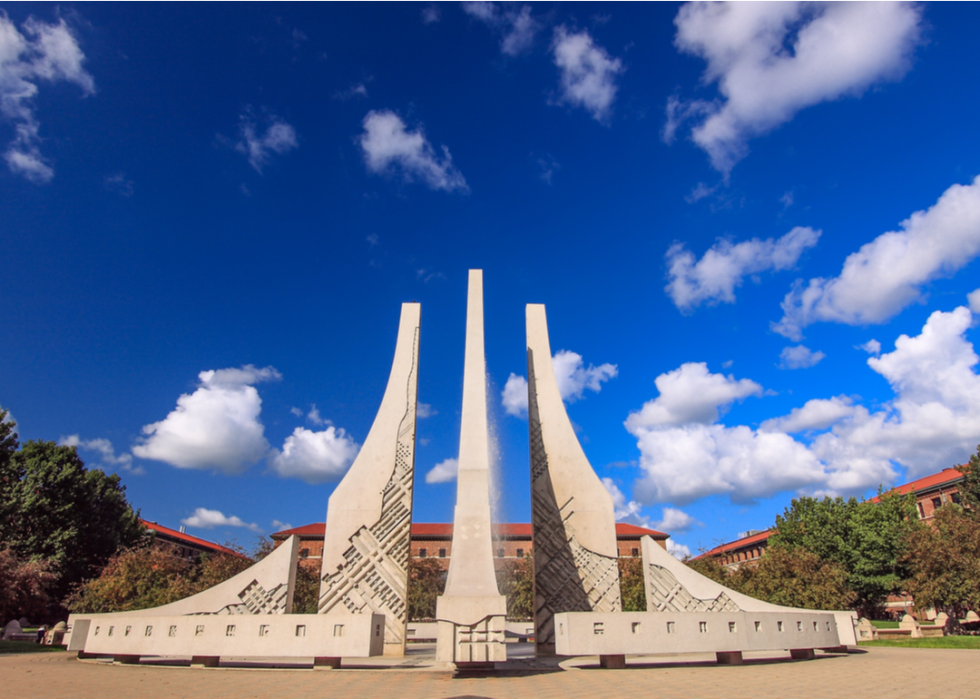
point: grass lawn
(28, 647)
(885, 624)
(943, 642)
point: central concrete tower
(472, 611)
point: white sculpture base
(481, 642)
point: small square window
(634, 552)
(423, 553)
(230, 630)
(635, 626)
(520, 553)
(300, 629)
(304, 553)
(500, 553)
(937, 503)
(338, 630)
(779, 626)
(703, 626)
(172, 632)
(670, 627)
(442, 553)
(598, 629)
(758, 626)
(263, 630)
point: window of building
(922, 513)
(500, 553)
(423, 553)
(937, 503)
(442, 553)
(520, 553)
(955, 498)
(304, 553)
(634, 552)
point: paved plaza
(891, 672)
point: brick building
(182, 544)
(511, 541)
(931, 493)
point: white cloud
(315, 457)
(204, 518)
(973, 299)
(443, 472)
(389, 148)
(216, 427)
(675, 520)
(516, 27)
(771, 60)
(933, 422)
(799, 357)
(573, 379)
(43, 52)
(424, 410)
(278, 526)
(588, 73)
(258, 146)
(106, 451)
(690, 394)
(623, 510)
(713, 278)
(678, 551)
(355, 90)
(314, 416)
(816, 414)
(431, 14)
(298, 412)
(872, 346)
(888, 274)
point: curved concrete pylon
(471, 611)
(576, 567)
(369, 515)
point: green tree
(515, 580)
(864, 539)
(426, 581)
(631, 585)
(709, 567)
(306, 595)
(795, 577)
(57, 510)
(944, 560)
(8, 476)
(970, 485)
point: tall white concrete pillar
(572, 517)
(369, 515)
(472, 611)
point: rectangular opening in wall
(597, 628)
(703, 626)
(758, 626)
(128, 629)
(670, 627)
(110, 630)
(731, 627)
(230, 630)
(828, 626)
(500, 553)
(263, 630)
(96, 630)
(815, 626)
(561, 629)
(799, 626)
(442, 553)
(148, 631)
(377, 629)
(423, 553)
(635, 626)
(338, 630)
(779, 626)
(172, 632)
(634, 552)
(520, 553)
(300, 629)
(199, 630)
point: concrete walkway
(891, 672)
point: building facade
(511, 542)
(183, 545)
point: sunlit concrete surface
(893, 672)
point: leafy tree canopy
(24, 587)
(515, 580)
(57, 510)
(970, 486)
(795, 578)
(944, 561)
(426, 581)
(631, 586)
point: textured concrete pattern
(369, 514)
(891, 672)
(471, 610)
(575, 555)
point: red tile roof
(427, 530)
(947, 475)
(172, 533)
(737, 544)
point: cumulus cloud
(38, 52)
(887, 274)
(431, 14)
(691, 394)
(770, 60)
(973, 298)
(872, 346)
(260, 145)
(204, 518)
(674, 520)
(315, 457)
(933, 421)
(215, 427)
(355, 90)
(799, 357)
(573, 376)
(278, 526)
(424, 410)
(390, 149)
(516, 27)
(314, 416)
(443, 472)
(628, 511)
(105, 450)
(678, 551)
(714, 277)
(588, 74)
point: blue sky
(755, 229)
